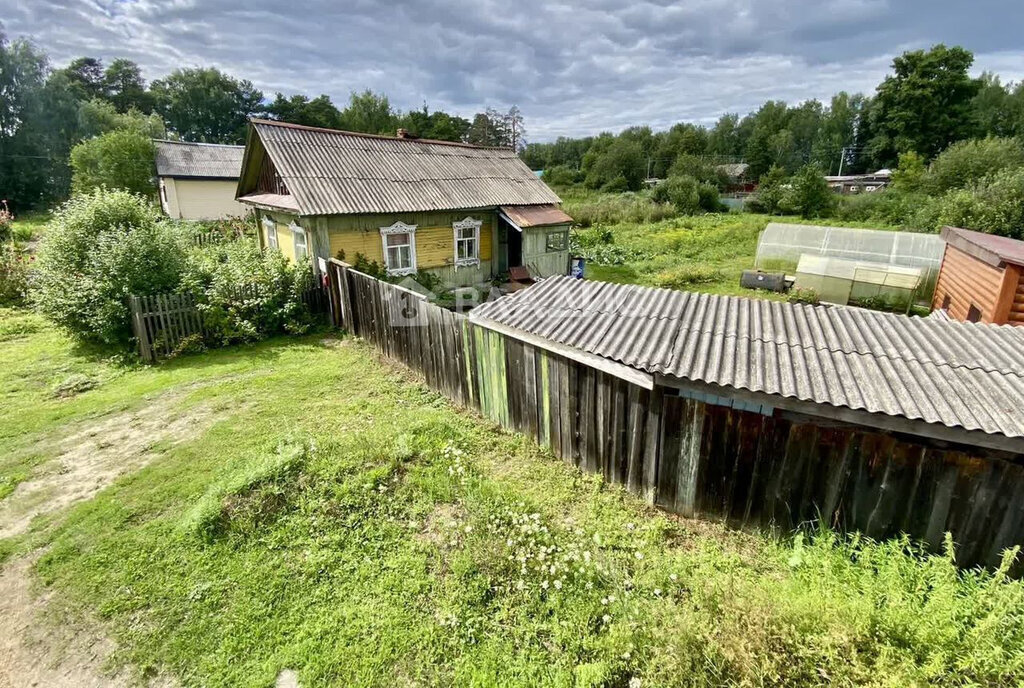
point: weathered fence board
(162, 322)
(690, 455)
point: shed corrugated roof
(209, 160)
(535, 215)
(990, 248)
(961, 375)
(335, 172)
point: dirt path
(36, 649)
(93, 457)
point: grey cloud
(573, 69)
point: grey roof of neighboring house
(204, 160)
(961, 375)
(335, 172)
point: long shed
(778, 414)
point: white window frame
(271, 228)
(399, 228)
(467, 223)
(297, 232)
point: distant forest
(48, 114)
(928, 102)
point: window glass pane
(467, 233)
(556, 241)
(397, 239)
(405, 257)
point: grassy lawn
(29, 227)
(302, 504)
(631, 240)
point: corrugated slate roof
(209, 160)
(334, 172)
(958, 374)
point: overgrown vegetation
(104, 246)
(378, 536)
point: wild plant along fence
(163, 322)
(687, 453)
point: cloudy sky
(573, 70)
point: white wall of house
(199, 199)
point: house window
(973, 314)
(557, 241)
(271, 229)
(467, 242)
(299, 242)
(399, 246)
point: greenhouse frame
(781, 245)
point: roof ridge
(200, 143)
(360, 134)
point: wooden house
(197, 181)
(981, 278)
(464, 213)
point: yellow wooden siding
(435, 242)
(284, 241)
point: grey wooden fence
(694, 455)
(162, 322)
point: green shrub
(803, 296)
(682, 192)
(967, 162)
(994, 205)
(6, 221)
(591, 208)
(245, 294)
(560, 175)
(101, 248)
(809, 193)
(14, 273)
(120, 159)
(887, 206)
(770, 192)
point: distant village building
(859, 183)
(464, 213)
(982, 278)
(197, 181)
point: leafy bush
(688, 195)
(887, 206)
(101, 248)
(967, 162)
(6, 221)
(120, 159)
(808, 296)
(560, 175)
(619, 167)
(994, 205)
(245, 294)
(588, 208)
(770, 192)
(809, 194)
(14, 272)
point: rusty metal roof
(535, 215)
(961, 375)
(199, 160)
(992, 249)
(335, 172)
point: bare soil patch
(94, 456)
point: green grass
(650, 245)
(332, 516)
(29, 227)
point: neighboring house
(198, 180)
(849, 184)
(982, 278)
(464, 213)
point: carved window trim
(399, 228)
(457, 228)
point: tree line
(88, 123)
(927, 103)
